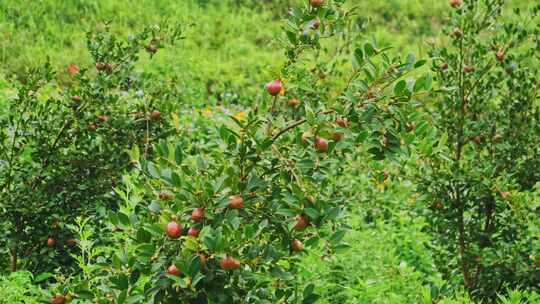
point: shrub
(254, 190)
(62, 148)
(482, 168)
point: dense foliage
(204, 161)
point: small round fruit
(103, 118)
(100, 66)
(321, 144)
(500, 56)
(71, 242)
(229, 263)
(274, 87)
(477, 139)
(457, 33)
(337, 136)
(468, 69)
(296, 245)
(76, 98)
(236, 202)
(410, 127)
(51, 241)
(172, 270)
(316, 23)
(455, 3)
(173, 229)
(151, 48)
(293, 102)
(439, 205)
(443, 67)
(197, 214)
(301, 223)
(316, 3)
(72, 69)
(58, 299)
(165, 196)
(108, 67)
(194, 232)
(342, 122)
(155, 114)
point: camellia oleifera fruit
(455, 3)
(342, 122)
(236, 202)
(194, 232)
(321, 144)
(296, 245)
(51, 241)
(301, 223)
(173, 229)
(274, 87)
(58, 299)
(155, 114)
(316, 3)
(229, 263)
(197, 214)
(172, 270)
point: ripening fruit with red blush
(229, 263)
(236, 202)
(468, 69)
(76, 98)
(455, 3)
(51, 241)
(293, 102)
(155, 114)
(316, 24)
(296, 245)
(457, 33)
(316, 3)
(172, 270)
(443, 67)
(72, 242)
(194, 232)
(103, 118)
(72, 69)
(321, 144)
(58, 299)
(151, 48)
(197, 214)
(301, 223)
(173, 229)
(92, 126)
(337, 136)
(500, 56)
(342, 122)
(274, 87)
(100, 66)
(165, 196)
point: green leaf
(400, 87)
(178, 154)
(42, 277)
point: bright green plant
(18, 287)
(481, 171)
(223, 213)
(62, 149)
